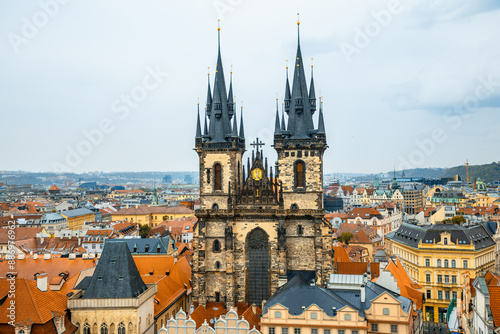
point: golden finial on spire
(298, 19)
(208, 72)
(198, 101)
(287, 64)
(231, 69)
(218, 25)
(312, 63)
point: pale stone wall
(136, 313)
(225, 324)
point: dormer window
(445, 241)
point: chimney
(254, 309)
(35, 256)
(41, 282)
(72, 256)
(46, 256)
(363, 293)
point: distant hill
(488, 172)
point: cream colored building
(350, 305)
(437, 256)
(115, 299)
(225, 324)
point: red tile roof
(34, 306)
(495, 303)
(340, 254)
(408, 288)
(54, 187)
(358, 268)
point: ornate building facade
(257, 227)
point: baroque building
(257, 226)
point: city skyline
(391, 76)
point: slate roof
(116, 275)
(76, 212)
(145, 246)
(301, 294)
(410, 235)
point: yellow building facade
(152, 215)
(438, 256)
(77, 217)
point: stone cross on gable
(257, 144)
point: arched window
(21, 331)
(104, 328)
(216, 246)
(294, 207)
(121, 328)
(446, 263)
(439, 263)
(215, 206)
(453, 263)
(300, 174)
(86, 328)
(217, 265)
(217, 177)
(300, 230)
(445, 241)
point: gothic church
(257, 227)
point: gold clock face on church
(257, 174)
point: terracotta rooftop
(408, 288)
(358, 268)
(495, 303)
(37, 308)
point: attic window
(99, 278)
(147, 248)
(120, 278)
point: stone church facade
(257, 227)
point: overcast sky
(406, 84)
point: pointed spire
(230, 101)
(298, 106)
(205, 128)
(321, 121)
(242, 131)
(234, 134)
(220, 116)
(209, 95)
(198, 123)
(288, 95)
(312, 93)
(277, 127)
(283, 129)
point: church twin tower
(258, 227)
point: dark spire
(209, 95)
(321, 121)
(283, 129)
(298, 105)
(230, 101)
(242, 131)
(288, 95)
(198, 123)
(312, 93)
(220, 122)
(235, 128)
(277, 127)
(205, 128)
